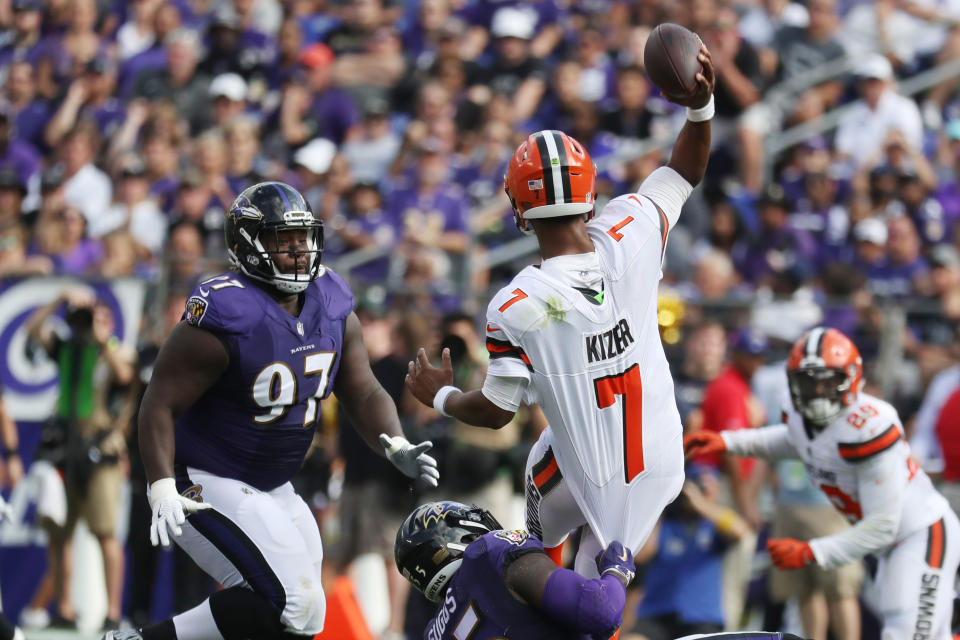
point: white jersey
(863, 465)
(597, 367)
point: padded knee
(306, 607)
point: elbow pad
(589, 606)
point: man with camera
(85, 438)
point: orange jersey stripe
(935, 545)
(861, 451)
(545, 475)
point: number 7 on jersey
(628, 385)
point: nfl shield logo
(300, 328)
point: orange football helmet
(825, 372)
(550, 175)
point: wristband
(440, 399)
(10, 453)
(702, 114)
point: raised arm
(692, 147)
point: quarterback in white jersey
(853, 447)
(579, 335)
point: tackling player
(852, 445)
(231, 410)
(492, 583)
(578, 334)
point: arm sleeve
(881, 484)
(771, 443)
(507, 392)
(589, 606)
(668, 190)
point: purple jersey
(257, 421)
(477, 604)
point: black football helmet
(269, 208)
(431, 542)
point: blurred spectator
(185, 256)
(12, 192)
(30, 113)
(881, 27)
(629, 117)
(244, 164)
(739, 82)
(682, 584)
(925, 439)
(729, 404)
(779, 245)
(162, 164)
(194, 204)
(375, 70)
(228, 93)
(802, 49)
(233, 47)
(134, 211)
(85, 186)
(137, 33)
(373, 145)
(72, 251)
(514, 72)
(179, 80)
(311, 162)
(433, 216)
(89, 98)
(210, 159)
(904, 272)
(542, 18)
(88, 424)
(863, 130)
(369, 225)
(14, 260)
(16, 154)
(24, 43)
(948, 434)
(598, 75)
(313, 107)
(703, 353)
(166, 20)
(286, 63)
(120, 258)
(926, 212)
(360, 19)
(819, 213)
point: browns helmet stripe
(814, 342)
(549, 188)
(564, 166)
(555, 166)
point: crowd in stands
(127, 127)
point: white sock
(197, 624)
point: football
(670, 58)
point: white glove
(169, 510)
(411, 459)
(6, 511)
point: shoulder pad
(871, 427)
(335, 293)
(221, 304)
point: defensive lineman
(493, 583)
(231, 410)
(579, 335)
(852, 445)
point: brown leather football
(670, 58)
